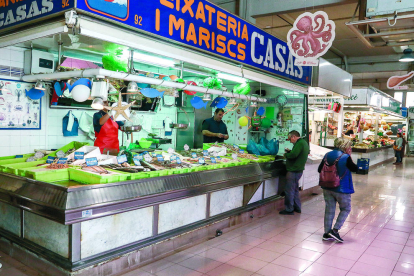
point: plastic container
(48, 175)
(85, 177)
(14, 156)
(67, 147)
(363, 166)
(140, 175)
(6, 162)
(144, 143)
(14, 168)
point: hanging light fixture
(407, 55)
(97, 104)
(207, 97)
(40, 85)
(132, 86)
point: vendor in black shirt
(214, 129)
(349, 130)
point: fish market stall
(72, 206)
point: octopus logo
(311, 37)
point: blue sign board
(79, 155)
(205, 26)
(19, 156)
(122, 159)
(50, 159)
(62, 160)
(93, 161)
(14, 13)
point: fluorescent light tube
(231, 78)
(138, 57)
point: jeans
(344, 201)
(398, 155)
(292, 200)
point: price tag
(19, 156)
(236, 147)
(154, 154)
(93, 161)
(173, 158)
(79, 155)
(234, 156)
(178, 160)
(50, 160)
(213, 160)
(136, 162)
(201, 160)
(241, 151)
(205, 152)
(86, 213)
(145, 152)
(218, 158)
(160, 157)
(139, 157)
(147, 158)
(62, 161)
(122, 159)
(194, 155)
(186, 147)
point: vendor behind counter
(214, 129)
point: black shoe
(335, 236)
(297, 210)
(284, 212)
(326, 237)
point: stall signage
(19, 156)
(79, 155)
(50, 159)
(93, 161)
(137, 162)
(391, 105)
(359, 96)
(62, 161)
(207, 27)
(201, 160)
(122, 159)
(14, 13)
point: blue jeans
(398, 155)
(344, 201)
(292, 200)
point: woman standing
(341, 158)
(399, 149)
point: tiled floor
(379, 238)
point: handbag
(329, 177)
(73, 131)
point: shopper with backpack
(336, 181)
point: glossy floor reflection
(378, 238)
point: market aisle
(378, 239)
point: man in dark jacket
(295, 164)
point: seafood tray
(14, 168)
(48, 175)
(128, 169)
(67, 147)
(14, 156)
(90, 177)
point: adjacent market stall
(90, 211)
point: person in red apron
(106, 131)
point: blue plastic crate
(363, 165)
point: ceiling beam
(266, 7)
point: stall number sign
(79, 155)
(93, 161)
(201, 160)
(137, 162)
(205, 152)
(19, 156)
(122, 159)
(62, 161)
(204, 26)
(50, 160)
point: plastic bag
(263, 141)
(263, 150)
(85, 122)
(273, 146)
(252, 148)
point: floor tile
(247, 263)
(178, 270)
(157, 266)
(370, 270)
(200, 264)
(408, 250)
(277, 270)
(287, 240)
(323, 270)
(136, 272)
(219, 255)
(407, 268)
(292, 263)
(314, 246)
(377, 261)
(387, 245)
(275, 246)
(388, 254)
(178, 257)
(334, 261)
(234, 247)
(229, 270)
(406, 258)
(344, 253)
(249, 240)
(262, 254)
(305, 254)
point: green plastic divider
(11, 161)
(139, 175)
(14, 168)
(48, 175)
(85, 177)
(67, 147)
(153, 173)
(14, 156)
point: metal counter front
(77, 227)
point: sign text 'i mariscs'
(209, 15)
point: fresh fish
(34, 94)
(198, 103)
(151, 93)
(260, 111)
(83, 81)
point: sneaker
(335, 236)
(297, 210)
(326, 237)
(284, 212)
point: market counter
(79, 226)
(376, 155)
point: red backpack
(329, 177)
